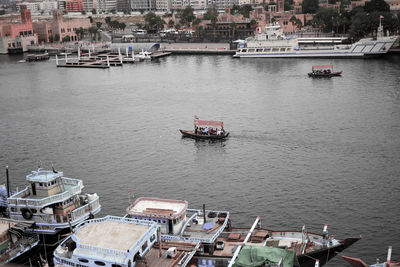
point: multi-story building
(89, 5)
(393, 4)
(60, 26)
(143, 4)
(221, 4)
(15, 37)
(74, 5)
(36, 8)
(163, 5)
(123, 5)
(106, 5)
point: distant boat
(206, 130)
(37, 57)
(356, 262)
(321, 71)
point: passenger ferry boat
(206, 130)
(274, 44)
(121, 242)
(53, 202)
(15, 244)
(219, 240)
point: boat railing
(189, 256)
(74, 216)
(22, 198)
(19, 247)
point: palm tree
(293, 21)
(233, 27)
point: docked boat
(356, 262)
(121, 242)
(273, 43)
(206, 130)
(54, 202)
(15, 244)
(323, 71)
(219, 240)
(37, 57)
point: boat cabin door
(33, 188)
(170, 227)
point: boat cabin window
(152, 238)
(83, 260)
(275, 49)
(283, 49)
(251, 50)
(13, 209)
(115, 265)
(144, 246)
(259, 50)
(100, 263)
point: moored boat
(121, 242)
(54, 202)
(219, 240)
(15, 244)
(323, 71)
(356, 262)
(206, 130)
(273, 43)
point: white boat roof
(111, 235)
(157, 207)
(43, 176)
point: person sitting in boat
(205, 131)
(196, 130)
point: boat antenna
(53, 168)
(8, 182)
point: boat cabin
(178, 223)
(169, 214)
(54, 202)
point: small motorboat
(322, 71)
(206, 130)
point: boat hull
(322, 75)
(191, 134)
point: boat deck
(114, 235)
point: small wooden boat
(323, 71)
(206, 130)
(186, 133)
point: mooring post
(126, 51)
(66, 57)
(79, 53)
(56, 60)
(8, 182)
(89, 52)
(108, 61)
(204, 213)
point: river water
(301, 151)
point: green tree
(171, 23)
(310, 6)
(122, 26)
(79, 32)
(325, 18)
(153, 22)
(196, 21)
(66, 38)
(91, 19)
(376, 6)
(98, 24)
(187, 15)
(107, 20)
(93, 32)
(288, 5)
(245, 10)
(51, 38)
(94, 12)
(235, 9)
(211, 14)
(293, 20)
(56, 37)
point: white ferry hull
(363, 48)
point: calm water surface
(301, 151)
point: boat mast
(244, 243)
(8, 182)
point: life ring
(26, 213)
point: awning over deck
(208, 123)
(322, 67)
